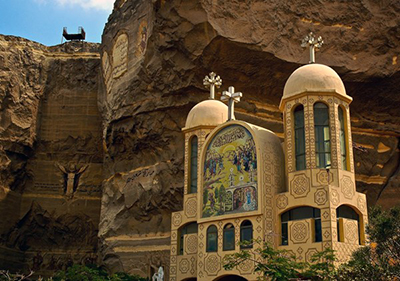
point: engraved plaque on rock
(120, 56)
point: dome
(314, 78)
(207, 113)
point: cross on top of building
(309, 41)
(211, 82)
(231, 97)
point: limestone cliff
(51, 154)
(154, 57)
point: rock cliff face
(62, 106)
(154, 57)
(51, 154)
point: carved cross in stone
(211, 82)
(309, 41)
(231, 97)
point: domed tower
(201, 120)
(321, 208)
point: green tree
(381, 259)
(93, 273)
(281, 265)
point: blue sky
(43, 20)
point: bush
(93, 273)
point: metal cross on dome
(309, 41)
(211, 82)
(231, 97)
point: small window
(229, 237)
(322, 135)
(347, 212)
(186, 229)
(300, 142)
(193, 164)
(342, 139)
(246, 234)
(301, 213)
(212, 239)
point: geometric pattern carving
(246, 267)
(193, 265)
(282, 201)
(347, 187)
(191, 243)
(213, 264)
(323, 176)
(300, 186)
(191, 207)
(351, 231)
(320, 197)
(184, 266)
(361, 203)
(310, 252)
(177, 219)
(335, 199)
(299, 232)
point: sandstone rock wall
(50, 129)
(154, 57)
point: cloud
(105, 5)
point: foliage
(7, 276)
(76, 273)
(281, 265)
(93, 273)
(381, 259)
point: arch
(349, 212)
(299, 137)
(229, 237)
(188, 228)
(193, 164)
(212, 239)
(230, 277)
(246, 234)
(301, 213)
(322, 135)
(343, 140)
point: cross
(231, 97)
(309, 41)
(212, 82)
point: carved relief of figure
(71, 177)
(143, 39)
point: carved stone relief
(300, 186)
(320, 197)
(120, 56)
(191, 207)
(212, 264)
(191, 243)
(299, 232)
(282, 201)
(347, 187)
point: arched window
(299, 138)
(193, 165)
(186, 229)
(301, 213)
(229, 237)
(322, 135)
(342, 138)
(346, 212)
(246, 234)
(212, 239)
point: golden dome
(314, 78)
(207, 113)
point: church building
(243, 183)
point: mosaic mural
(230, 173)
